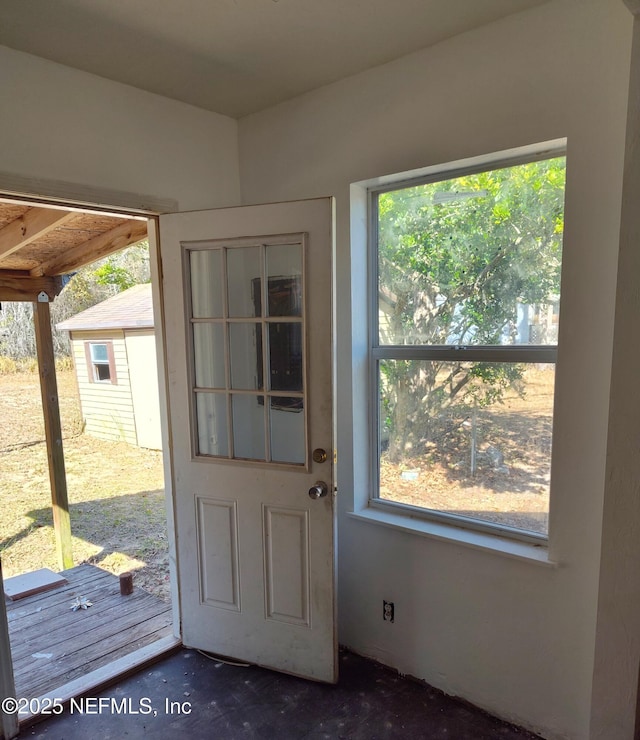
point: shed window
(100, 362)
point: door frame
(8, 722)
(79, 198)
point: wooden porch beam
(22, 288)
(14, 273)
(35, 223)
(53, 434)
(99, 246)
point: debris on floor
(81, 602)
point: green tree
(457, 259)
(124, 269)
(96, 282)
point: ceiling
(236, 56)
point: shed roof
(131, 309)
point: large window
(465, 293)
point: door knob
(319, 455)
(319, 490)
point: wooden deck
(52, 646)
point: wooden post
(8, 720)
(53, 433)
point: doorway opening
(90, 480)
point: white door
(250, 403)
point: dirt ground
(510, 485)
(116, 496)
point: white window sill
(468, 538)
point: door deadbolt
(320, 490)
(319, 455)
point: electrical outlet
(388, 611)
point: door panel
(249, 334)
(286, 557)
(217, 532)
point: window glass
(284, 272)
(287, 430)
(285, 356)
(473, 260)
(99, 353)
(245, 341)
(208, 348)
(206, 283)
(244, 270)
(480, 436)
(248, 426)
(237, 335)
(466, 302)
(211, 412)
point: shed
(113, 348)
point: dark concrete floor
(228, 702)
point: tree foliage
(460, 263)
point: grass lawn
(115, 490)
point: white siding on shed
(143, 377)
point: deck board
(76, 643)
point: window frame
(538, 354)
(91, 363)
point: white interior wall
(513, 636)
(62, 125)
(615, 685)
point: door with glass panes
(248, 317)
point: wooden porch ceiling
(38, 245)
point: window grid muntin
(544, 354)
(298, 240)
(266, 351)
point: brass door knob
(319, 455)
